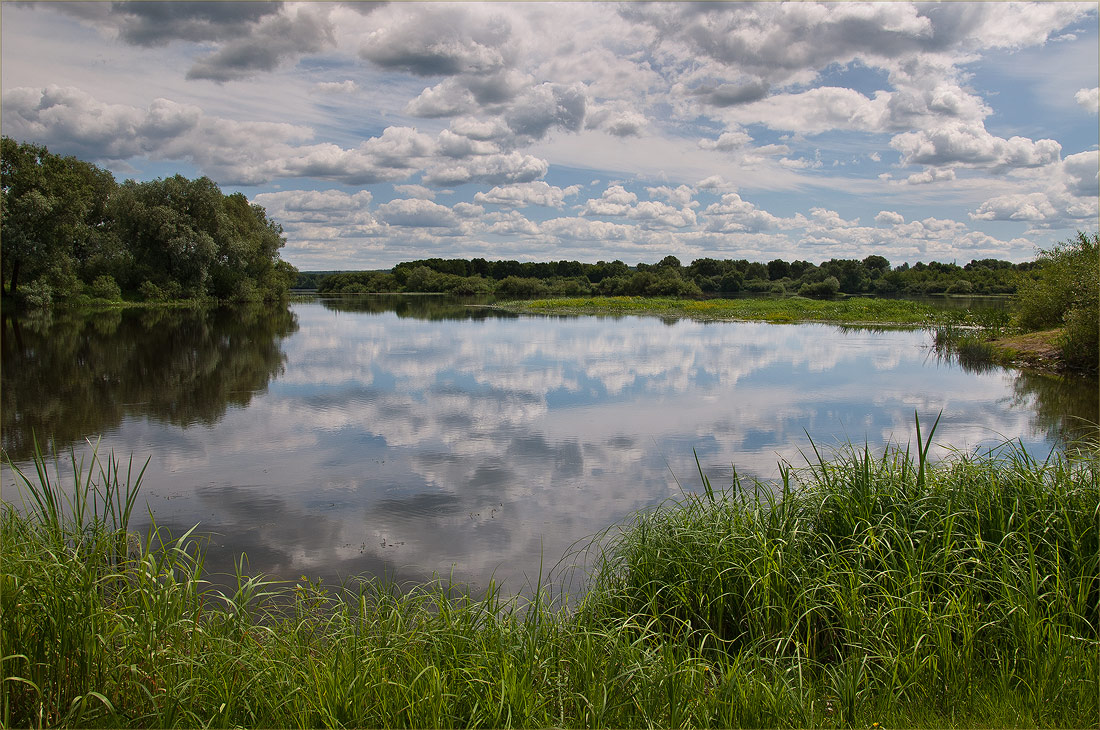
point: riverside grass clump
(858, 589)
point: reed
(858, 588)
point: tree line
(69, 230)
(668, 277)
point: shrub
(519, 287)
(105, 287)
(827, 288)
(150, 292)
(962, 286)
(38, 294)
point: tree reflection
(1067, 409)
(69, 377)
(426, 307)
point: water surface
(415, 436)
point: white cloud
(726, 141)
(970, 144)
(930, 175)
(523, 194)
(682, 196)
(337, 87)
(734, 214)
(889, 217)
(415, 191)
(1089, 99)
(616, 200)
(416, 213)
(497, 169)
(1026, 207)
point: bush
(962, 286)
(105, 287)
(38, 294)
(150, 292)
(827, 288)
(519, 287)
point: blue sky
(379, 133)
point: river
(412, 437)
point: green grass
(857, 589)
(849, 310)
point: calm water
(415, 436)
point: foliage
(105, 287)
(1064, 291)
(861, 591)
(69, 224)
(668, 277)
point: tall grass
(860, 588)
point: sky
(377, 133)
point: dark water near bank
(412, 436)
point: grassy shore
(858, 589)
(849, 310)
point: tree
(67, 223)
(53, 214)
(1066, 293)
(778, 268)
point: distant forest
(70, 232)
(668, 277)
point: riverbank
(860, 589)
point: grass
(860, 588)
(849, 310)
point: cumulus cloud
(524, 194)
(415, 191)
(615, 200)
(441, 40)
(1089, 99)
(416, 213)
(496, 169)
(545, 106)
(617, 119)
(155, 23)
(681, 196)
(71, 121)
(273, 42)
(972, 145)
(715, 183)
(510, 223)
(733, 214)
(889, 217)
(731, 94)
(727, 142)
(930, 175)
(320, 214)
(1024, 207)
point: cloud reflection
(479, 448)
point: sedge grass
(860, 588)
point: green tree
(53, 215)
(1065, 292)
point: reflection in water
(1065, 409)
(412, 437)
(70, 377)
